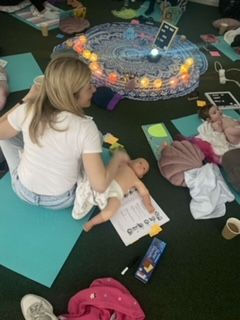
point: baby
(221, 123)
(128, 177)
(3, 87)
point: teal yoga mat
(34, 242)
(188, 127)
(21, 70)
(157, 135)
(226, 49)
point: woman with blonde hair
(48, 141)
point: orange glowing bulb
(83, 39)
(185, 77)
(93, 57)
(94, 66)
(98, 72)
(189, 62)
(113, 77)
(157, 83)
(144, 82)
(184, 68)
(86, 54)
(78, 48)
(173, 83)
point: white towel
(209, 192)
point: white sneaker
(36, 308)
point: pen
(130, 265)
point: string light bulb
(86, 54)
(94, 66)
(83, 39)
(93, 57)
(113, 77)
(157, 83)
(189, 62)
(144, 82)
(184, 68)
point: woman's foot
(36, 307)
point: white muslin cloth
(208, 190)
(86, 198)
(216, 139)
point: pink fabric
(207, 149)
(105, 297)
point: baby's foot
(88, 226)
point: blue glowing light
(154, 52)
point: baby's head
(210, 113)
(140, 166)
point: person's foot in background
(36, 308)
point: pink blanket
(105, 299)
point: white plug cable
(221, 72)
(222, 78)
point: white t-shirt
(52, 167)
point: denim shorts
(62, 201)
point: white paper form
(132, 221)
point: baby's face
(214, 114)
(140, 166)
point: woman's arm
(100, 176)
(6, 130)
(29, 97)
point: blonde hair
(63, 80)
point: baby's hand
(148, 203)
(150, 208)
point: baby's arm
(145, 195)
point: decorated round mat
(118, 55)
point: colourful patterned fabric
(123, 51)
